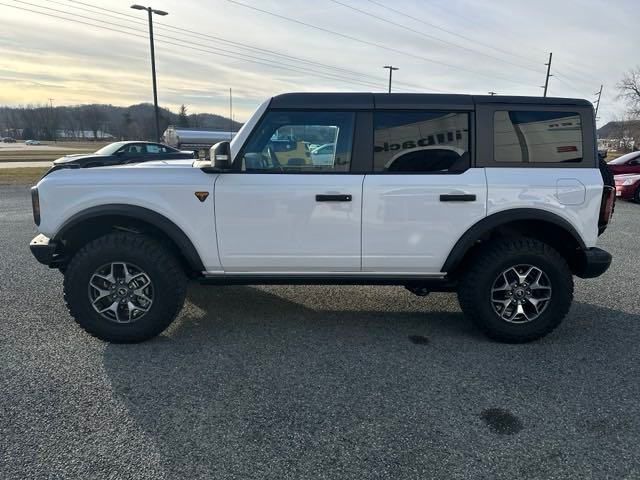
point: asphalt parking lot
(317, 382)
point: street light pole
(391, 69)
(151, 11)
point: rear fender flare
(484, 226)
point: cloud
(43, 57)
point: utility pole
(391, 69)
(599, 93)
(151, 11)
(230, 114)
(546, 81)
(53, 132)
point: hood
(160, 163)
(79, 158)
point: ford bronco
(500, 199)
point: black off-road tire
(474, 291)
(166, 274)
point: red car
(629, 163)
(628, 187)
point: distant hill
(133, 122)
(615, 129)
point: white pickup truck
(498, 198)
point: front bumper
(46, 251)
(593, 263)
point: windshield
(110, 149)
(624, 158)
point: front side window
(281, 143)
(421, 142)
(537, 137)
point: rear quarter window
(537, 137)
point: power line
(474, 21)
(243, 45)
(432, 37)
(451, 32)
(190, 45)
(367, 42)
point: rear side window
(537, 137)
(421, 142)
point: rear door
(280, 213)
(423, 193)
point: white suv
(498, 198)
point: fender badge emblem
(202, 196)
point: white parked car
(323, 155)
(32, 142)
(499, 199)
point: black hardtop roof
(368, 101)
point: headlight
(35, 205)
(628, 181)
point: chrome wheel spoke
(504, 287)
(537, 301)
(505, 313)
(131, 308)
(140, 294)
(113, 308)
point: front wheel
(517, 290)
(124, 288)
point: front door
(281, 212)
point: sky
(205, 47)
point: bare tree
(183, 118)
(94, 117)
(623, 130)
(629, 88)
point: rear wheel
(124, 288)
(517, 290)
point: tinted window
(281, 143)
(153, 148)
(134, 149)
(421, 142)
(537, 137)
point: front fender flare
(145, 215)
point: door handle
(333, 198)
(458, 197)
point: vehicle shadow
(287, 382)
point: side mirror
(220, 155)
